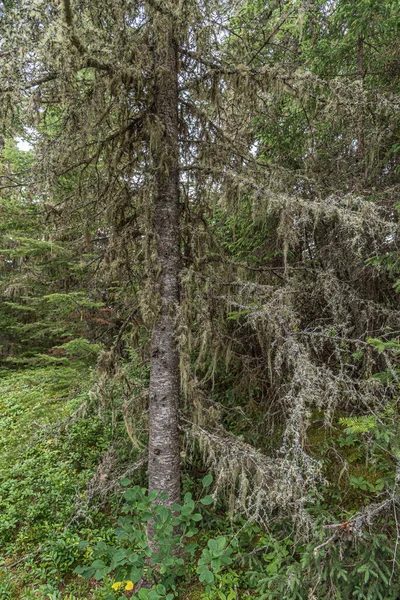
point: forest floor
(46, 460)
(54, 447)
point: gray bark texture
(164, 450)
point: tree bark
(164, 451)
(360, 69)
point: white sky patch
(23, 145)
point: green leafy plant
(133, 559)
(213, 558)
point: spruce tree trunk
(164, 451)
(360, 68)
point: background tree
(47, 297)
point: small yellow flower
(129, 585)
(115, 586)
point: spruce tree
(187, 134)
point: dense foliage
(286, 135)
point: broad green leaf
(207, 480)
(207, 500)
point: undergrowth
(52, 523)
